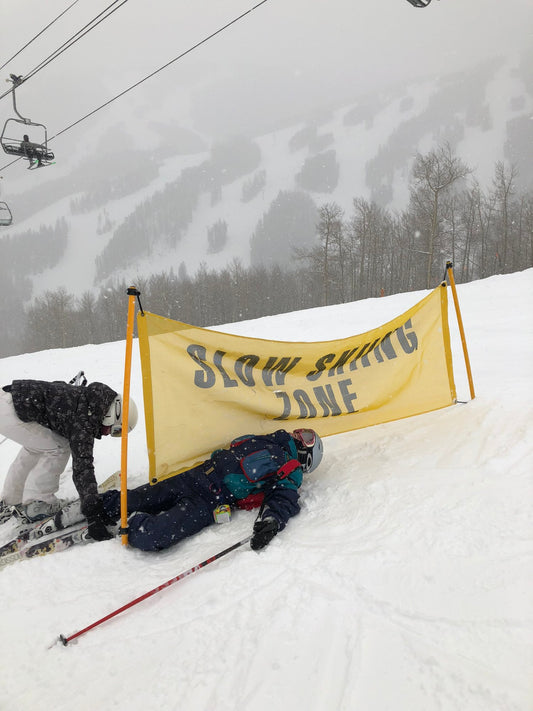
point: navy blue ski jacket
(254, 470)
(263, 464)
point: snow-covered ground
(405, 582)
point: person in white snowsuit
(52, 421)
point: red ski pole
(65, 640)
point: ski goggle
(306, 437)
(113, 418)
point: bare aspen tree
(433, 176)
(370, 236)
(504, 188)
(469, 207)
(330, 232)
(525, 234)
(86, 321)
(485, 211)
(51, 320)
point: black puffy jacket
(74, 412)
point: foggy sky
(286, 57)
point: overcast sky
(286, 54)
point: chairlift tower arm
(17, 81)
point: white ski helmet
(113, 417)
(309, 447)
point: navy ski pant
(167, 512)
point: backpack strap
(287, 469)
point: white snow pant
(35, 472)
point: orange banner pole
(132, 293)
(449, 269)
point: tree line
(368, 253)
(449, 217)
(27, 253)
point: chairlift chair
(36, 153)
(6, 218)
(30, 150)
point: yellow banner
(203, 387)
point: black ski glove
(98, 520)
(264, 531)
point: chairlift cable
(38, 34)
(75, 38)
(71, 41)
(152, 74)
(165, 66)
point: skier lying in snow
(256, 470)
(53, 420)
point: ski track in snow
(405, 582)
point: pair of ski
(42, 538)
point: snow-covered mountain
(404, 583)
(143, 195)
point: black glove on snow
(264, 531)
(98, 520)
